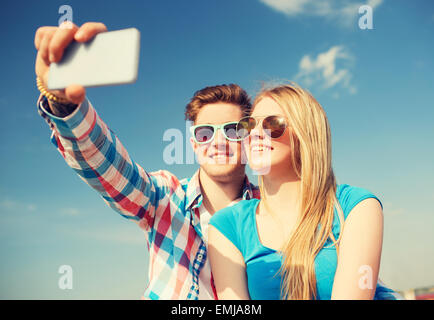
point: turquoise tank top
(238, 224)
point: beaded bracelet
(47, 94)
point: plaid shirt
(164, 207)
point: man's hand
(51, 43)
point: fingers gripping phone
(110, 58)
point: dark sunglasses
(274, 126)
(204, 133)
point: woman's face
(267, 155)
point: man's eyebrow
(214, 123)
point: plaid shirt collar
(194, 197)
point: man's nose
(220, 139)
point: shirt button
(200, 257)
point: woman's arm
(228, 267)
(359, 252)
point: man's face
(219, 158)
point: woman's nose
(257, 133)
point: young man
(174, 214)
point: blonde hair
(311, 160)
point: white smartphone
(110, 58)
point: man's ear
(195, 147)
(193, 144)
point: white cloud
(31, 207)
(69, 211)
(322, 71)
(121, 234)
(296, 7)
(391, 210)
(343, 12)
(8, 204)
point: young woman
(307, 238)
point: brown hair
(228, 93)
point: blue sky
(375, 85)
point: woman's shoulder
(233, 221)
(235, 213)
(349, 196)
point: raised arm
(88, 145)
(359, 253)
(51, 42)
(228, 267)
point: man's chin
(224, 171)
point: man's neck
(219, 193)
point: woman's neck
(282, 193)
